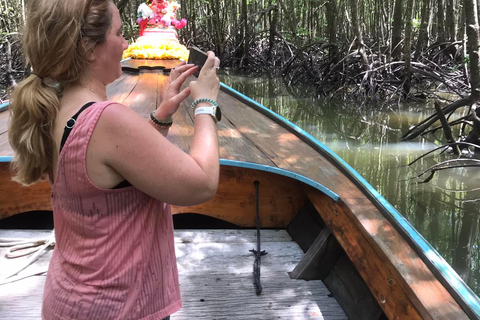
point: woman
(112, 173)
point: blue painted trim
(436, 260)
(282, 172)
(6, 158)
(4, 106)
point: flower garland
(160, 14)
(151, 48)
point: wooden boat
(349, 238)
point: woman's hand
(207, 84)
(173, 96)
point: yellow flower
(153, 48)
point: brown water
(445, 210)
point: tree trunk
(332, 31)
(431, 20)
(423, 33)
(10, 81)
(397, 30)
(473, 44)
(358, 33)
(408, 47)
(273, 18)
(246, 35)
(440, 21)
(450, 21)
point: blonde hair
(58, 37)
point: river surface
(445, 210)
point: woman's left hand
(173, 96)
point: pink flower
(175, 23)
(139, 20)
(167, 21)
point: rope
(258, 253)
(37, 247)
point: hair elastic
(37, 75)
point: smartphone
(197, 57)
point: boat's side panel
(14, 198)
(280, 198)
(400, 281)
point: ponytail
(57, 40)
(33, 110)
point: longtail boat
(336, 248)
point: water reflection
(445, 210)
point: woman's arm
(172, 96)
(154, 165)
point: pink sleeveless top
(114, 256)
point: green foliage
(416, 23)
(10, 16)
(300, 31)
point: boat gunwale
(448, 277)
(286, 173)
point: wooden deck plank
(144, 96)
(230, 236)
(119, 90)
(210, 288)
(285, 149)
(233, 297)
(233, 145)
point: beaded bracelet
(212, 102)
(159, 122)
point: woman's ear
(91, 55)
(89, 52)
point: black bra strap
(68, 129)
(71, 123)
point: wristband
(158, 122)
(212, 102)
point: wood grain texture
(144, 96)
(402, 284)
(122, 88)
(15, 198)
(216, 281)
(280, 199)
(320, 258)
(353, 295)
